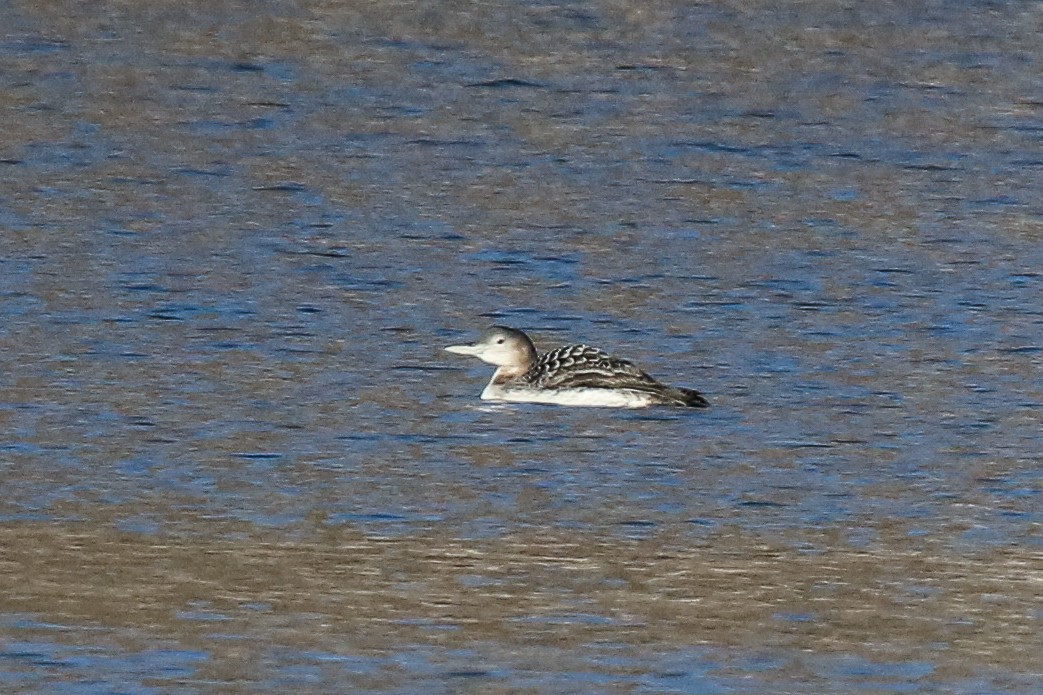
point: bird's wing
(582, 366)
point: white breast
(604, 398)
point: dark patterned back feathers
(578, 366)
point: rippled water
(235, 238)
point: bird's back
(582, 366)
(588, 370)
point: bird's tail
(685, 397)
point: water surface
(236, 237)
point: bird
(575, 375)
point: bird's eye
(499, 341)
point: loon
(570, 375)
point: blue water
(234, 457)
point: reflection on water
(234, 457)
(374, 611)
